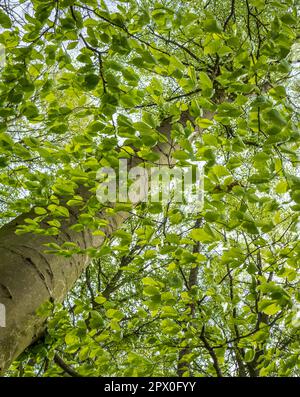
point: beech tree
(149, 288)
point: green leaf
(296, 196)
(168, 311)
(30, 111)
(205, 81)
(220, 170)
(100, 299)
(201, 235)
(5, 20)
(91, 81)
(249, 355)
(114, 314)
(204, 123)
(289, 19)
(40, 211)
(58, 210)
(5, 140)
(281, 187)
(212, 26)
(149, 281)
(270, 308)
(71, 339)
(151, 290)
(180, 155)
(250, 227)
(275, 117)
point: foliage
(213, 293)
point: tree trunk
(30, 278)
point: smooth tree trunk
(30, 278)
